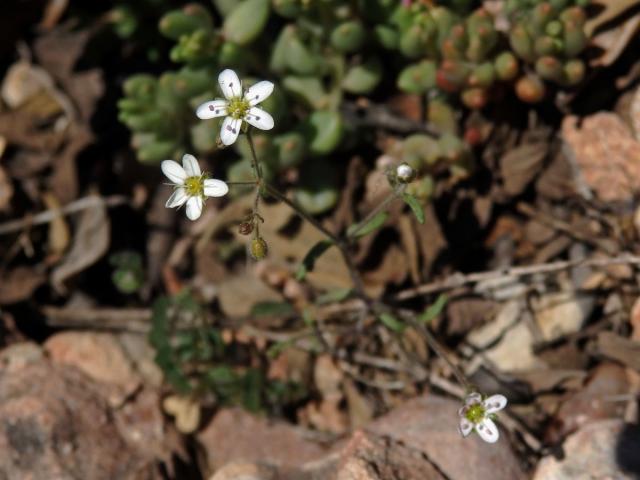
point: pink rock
(234, 435)
(428, 424)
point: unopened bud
(405, 173)
(259, 248)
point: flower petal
(215, 188)
(465, 427)
(258, 92)
(194, 208)
(212, 109)
(494, 403)
(259, 118)
(177, 198)
(173, 171)
(488, 431)
(473, 398)
(229, 84)
(191, 166)
(230, 130)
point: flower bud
(259, 248)
(404, 173)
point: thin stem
(435, 346)
(338, 242)
(257, 168)
(379, 208)
(252, 184)
(274, 192)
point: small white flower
(476, 415)
(191, 186)
(237, 107)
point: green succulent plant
(320, 53)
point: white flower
(237, 107)
(476, 415)
(191, 186)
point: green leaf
(310, 258)
(272, 309)
(415, 205)
(246, 21)
(375, 223)
(391, 322)
(434, 310)
(336, 295)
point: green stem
(379, 208)
(257, 168)
(252, 184)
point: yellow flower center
(194, 186)
(238, 107)
(476, 413)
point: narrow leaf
(337, 295)
(434, 310)
(375, 223)
(414, 203)
(272, 309)
(391, 322)
(310, 258)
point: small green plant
(195, 361)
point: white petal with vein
(229, 84)
(258, 92)
(259, 118)
(465, 427)
(212, 109)
(230, 130)
(488, 431)
(495, 403)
